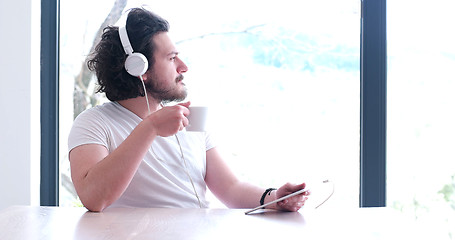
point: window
(421, 113)
(282, 84)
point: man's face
(165, 79)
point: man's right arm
(101, 178)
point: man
(134, 151)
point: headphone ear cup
(136, 64)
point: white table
(25, 222)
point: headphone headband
(125, 40)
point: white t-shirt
(161, 179)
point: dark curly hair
(109, 57)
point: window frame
(373, 105)
(373, 73)
(49, 183)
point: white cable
(187, 173)
(180, 146)
(145, 93)
(333, 190)
(185, 168)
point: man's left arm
(238, 194)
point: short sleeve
(209, 142)
(88, 128)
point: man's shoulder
(102, 109)
(99, 113)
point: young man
(133, 151)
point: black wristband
(268, 191)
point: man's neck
(138, 105)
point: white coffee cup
(197, 119)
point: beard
(164, 93)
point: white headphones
(136, 63)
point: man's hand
(294, 203)
(169, 120)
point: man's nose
(181, 68)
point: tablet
(278, 200)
